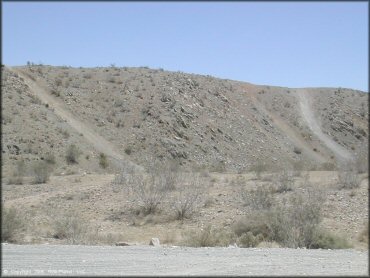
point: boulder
(154, 241)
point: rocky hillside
(198, 121)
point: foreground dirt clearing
(144, 260)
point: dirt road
(100, 143)
(341, 153)
(146, 260)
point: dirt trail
(100, 143)
(292, 135)
(340, 152)
(79, 260)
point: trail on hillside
(100, 143)
(292, 135)
(340, 152)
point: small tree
(72, 154)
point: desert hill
(201, 122)
(69, 135)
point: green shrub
(72, 154)
(103, 162)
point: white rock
(154, 241)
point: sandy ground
(145, 260)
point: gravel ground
(146, 260)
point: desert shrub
(71, 227)
(18, 173)
(255, 223)
(258, 168)
(295, 224)
(58, 82)
(209, 237)
(11, 224)
(146, 190)
(103, 162)
(188, 198)
(72, 154)
(348, 180)
(328, 166)
(238, 181)
(362, 159)
(128, 150)
(325, 240)
(249, 240)
(41, 171)
(284, 182)
(259, 198)
(50, 159)
(364, 235)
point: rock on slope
(197, 120)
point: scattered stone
(122, 244)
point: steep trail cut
(342, 154)
(100, 143)
(291, 134)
